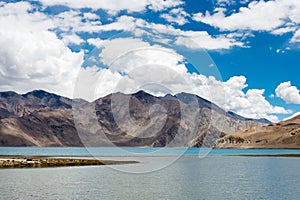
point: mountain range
(40, 118)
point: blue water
(215, 176)
(128, 151)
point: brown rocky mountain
(285, 135)
(16, 105)
(40, 118)
(44, 127)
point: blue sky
(252, 48)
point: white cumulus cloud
(32, 57)
(191, 39)
(277, 17)
(114, 6)
(176, 15)
(290, 94)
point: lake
(162, 174)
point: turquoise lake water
(215, 176)
(129, 151)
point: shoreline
(7, 162)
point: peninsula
(41, 162)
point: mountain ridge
(39, 118)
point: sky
(242, 55)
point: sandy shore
(38, 162)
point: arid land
(41, 162)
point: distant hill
(285, 134)
(39, 118)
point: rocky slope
(285, 134)
(40, 118)
(45, 127)
(16, 105)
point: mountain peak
(144, 97)
(39, 93)
(141, 93)
(8, 94)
